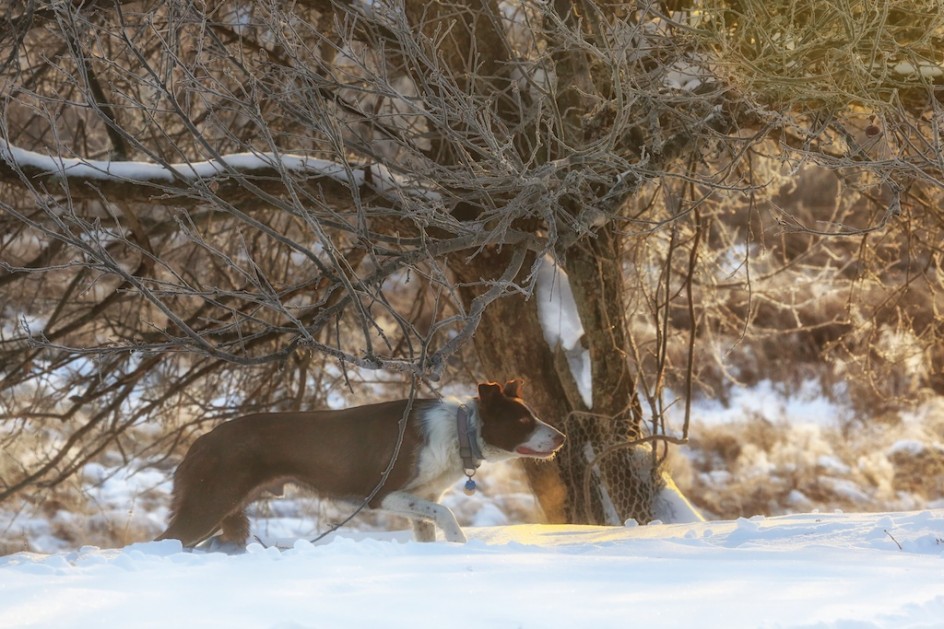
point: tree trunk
(510, 344)
(623, 478)
(579, 486)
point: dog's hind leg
(200, 508)
(424, 513)
(211, 486)
(191, 525)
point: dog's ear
(513, 387)
(489, 391)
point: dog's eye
(524, 419)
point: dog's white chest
(439, 465)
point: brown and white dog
(342, 454)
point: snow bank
(835, 570)
(671, 506)
(809, 405)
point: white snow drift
(843, 571)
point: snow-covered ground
(819, 570)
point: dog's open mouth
(526, 451)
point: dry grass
(755, 466)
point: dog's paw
(456, 536)
(217, 544)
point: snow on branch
(560, 322)
(17, 163)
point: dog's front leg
(424, 531)
(424, 513)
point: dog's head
(510, 427)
